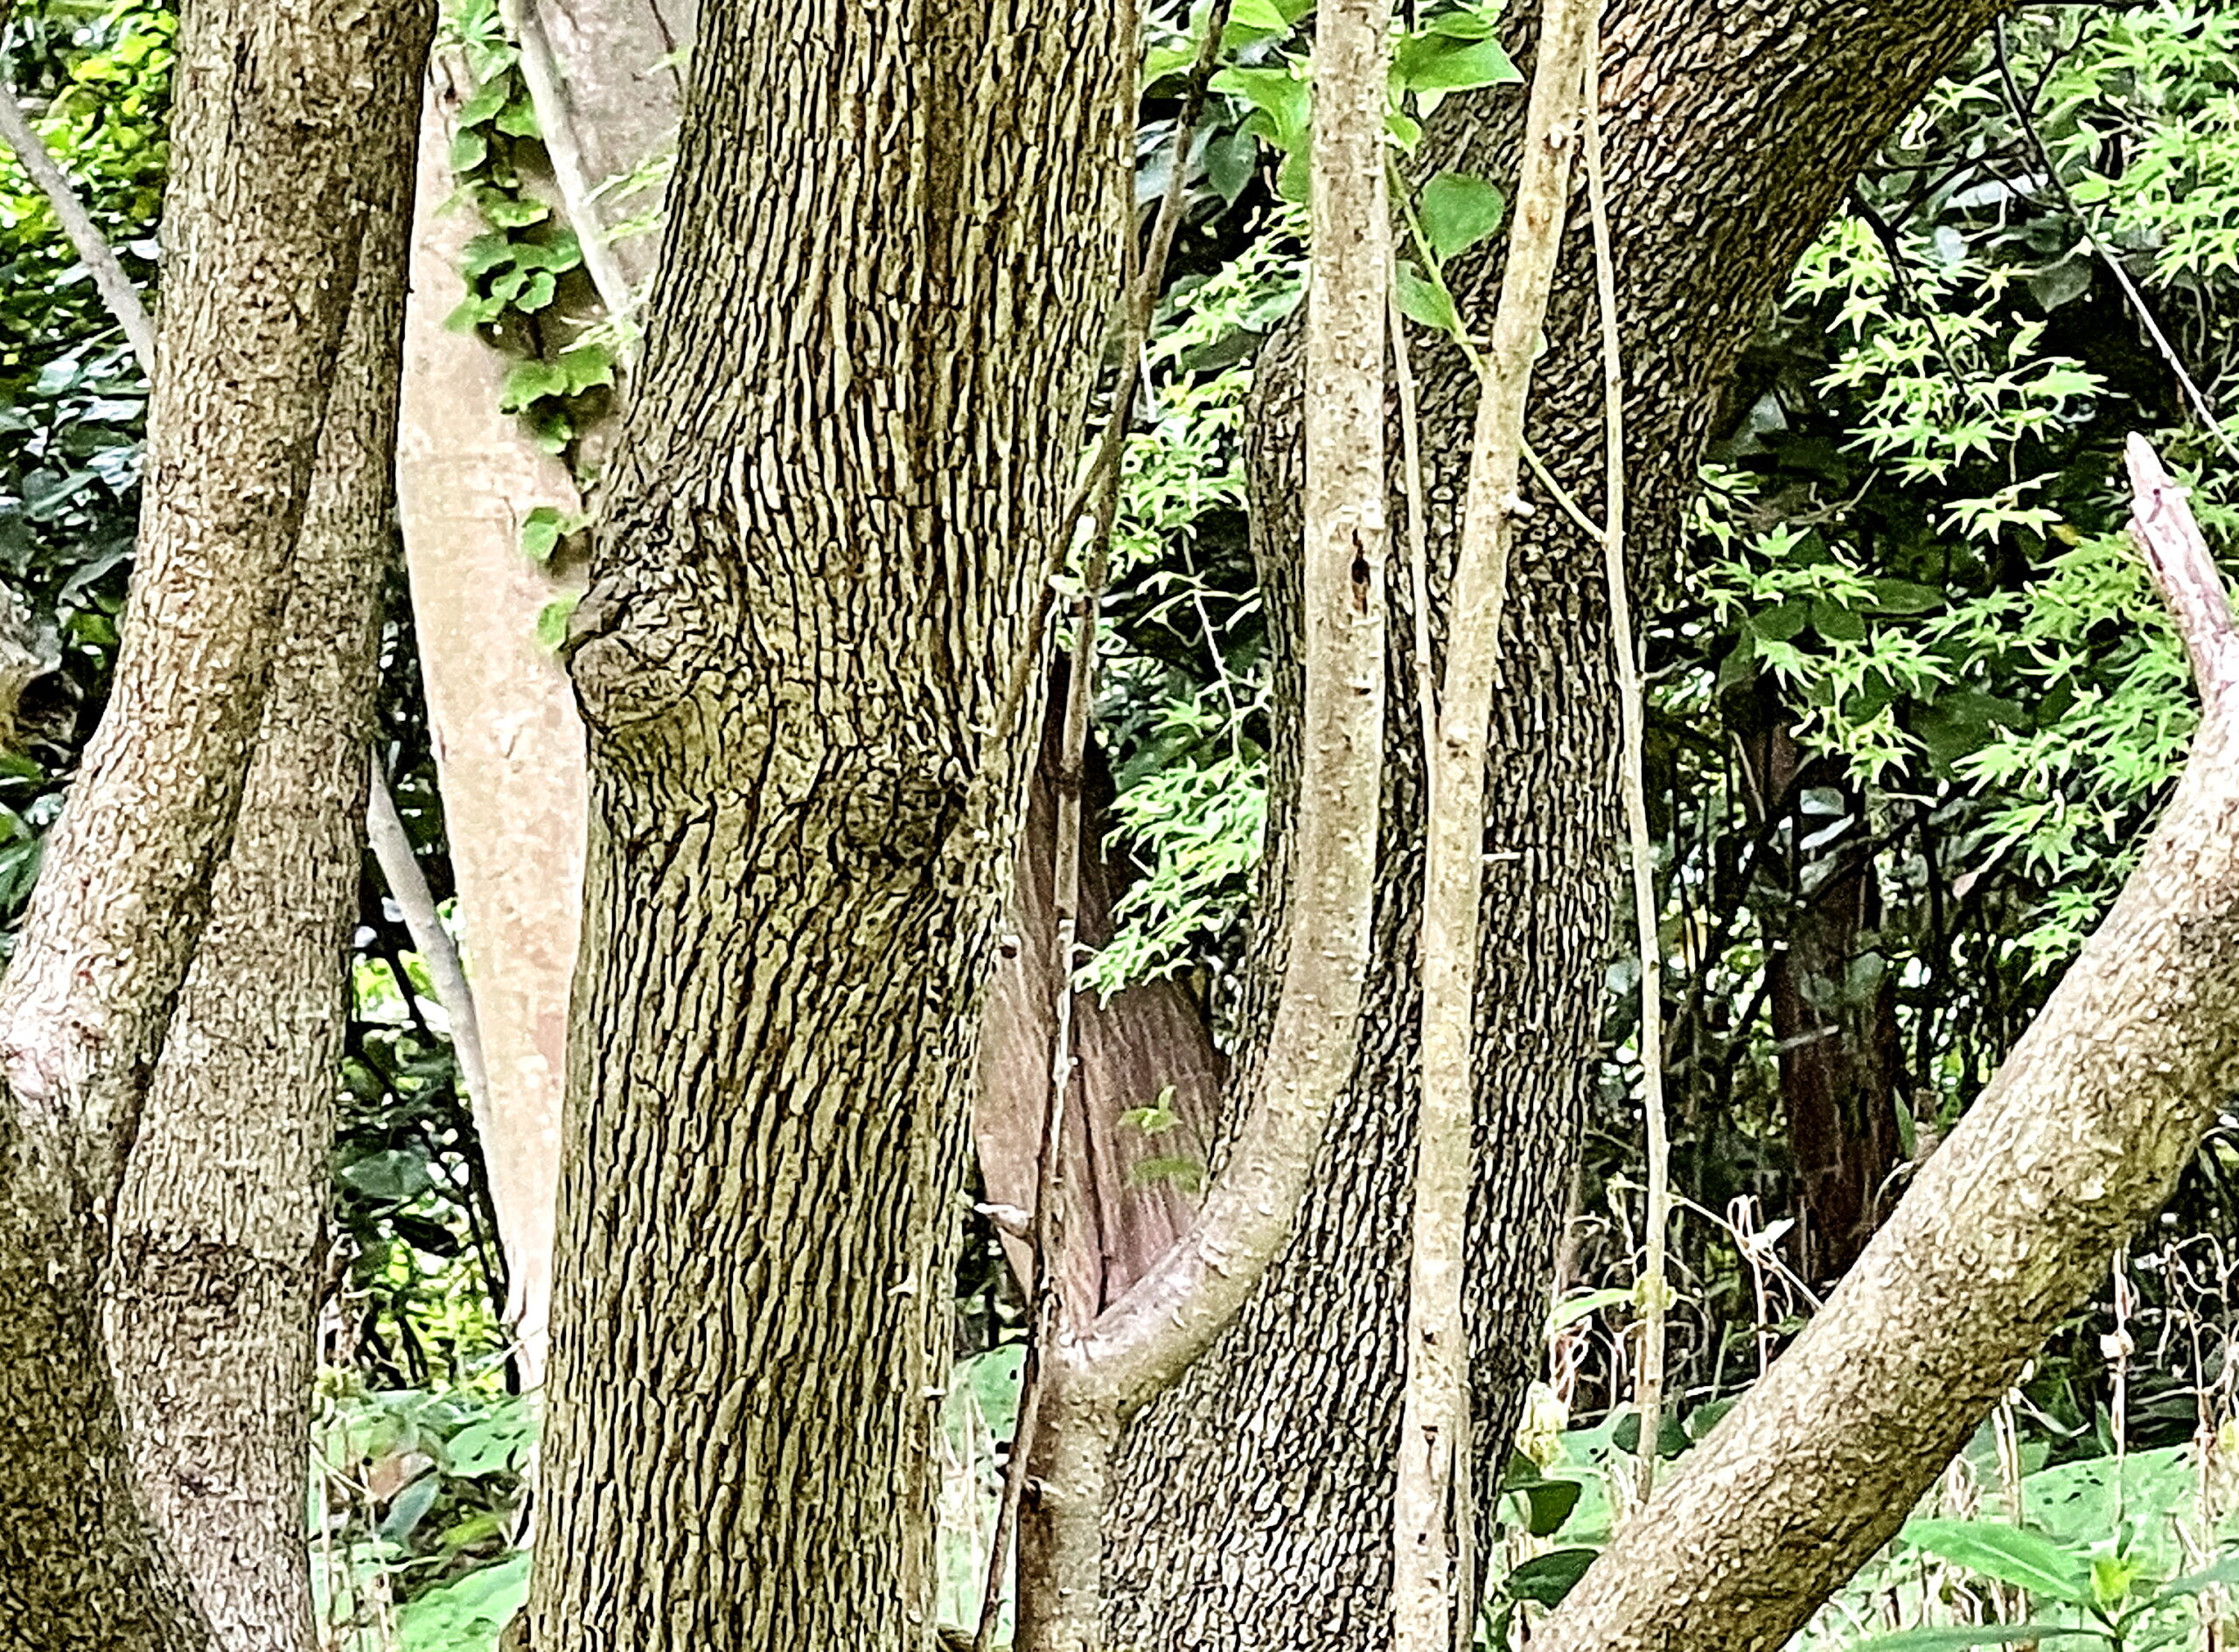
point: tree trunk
(1253, 1503)
(509, 745)
(2067, 1151)
(854, 424)
(607, 77)
(1147, 1046)
(1839, 1053)
(217, 1242)
(261, 236)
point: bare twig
(1141, 1343)
(1647, 1393)
(1104, 478)
(407, 887)
(547, 94)
(2178, 556)
(1418, 555)
(110, 280)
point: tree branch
(110, 280)
(2166, 535)
(407, 887)
(2076, 1142)
(1433, 1429)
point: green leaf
(1573, 1309)
(467, 1616)
(1258, 14)
(1424, 301)
(518, 119)
(512, 212)
(2224, 1570)
(1837, 623)
(1547, 1579)
(529, 382)
(1440, 63)
(1550, 1504)
(2008, 1554)
(469, 150)
(394, 1174)
(1188, 1174)
(1228, 162)
(537, 292)
(1459, 210)
(1277, 94)
(552, 619)
(484, 104)
(541, 532)
(587, 367)
(1904, 597)
(409, 1507)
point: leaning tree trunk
(508, 743)
(1253, 1507)
(262, 234)
(217, 1243)
(854, 429)
(2066, 1153)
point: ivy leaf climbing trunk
(1253, 1503)
(852, 432)
(217, 1242)
(508, 743)
(263, 225)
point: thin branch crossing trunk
(1427, 1614)
(1100, 1375)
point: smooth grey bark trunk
(828, 519)
(607, 80)
(263, 231)
(507, 740)
(217, 1243)
(1253, 1504)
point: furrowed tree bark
(216, 1250)
(263, 231)
(817, 563)
(1252, 1506)
(2071, 1148)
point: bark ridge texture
(263, 224)
(891, 243)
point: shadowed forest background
(1913, 706)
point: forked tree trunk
(262, 235)
(1253, 1504)
(216, 1251)
(855, 424)
(2064, 1155)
